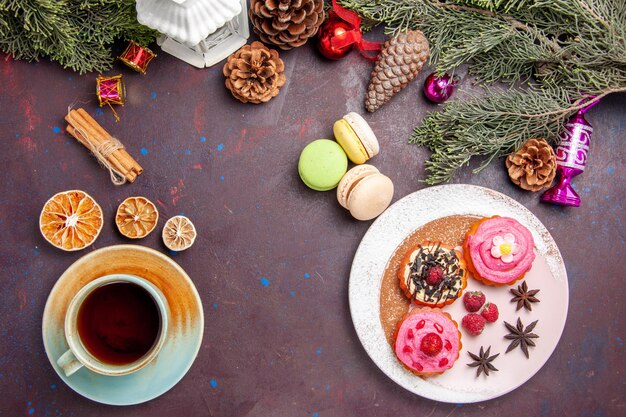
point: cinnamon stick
(98, 135)
(123, 156)
(130, 176)
(95, 134)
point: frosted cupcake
(433, 274)
(498, 250)
(427, 341)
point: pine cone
(286, 23)
(254, 73)
(401, 59)
(533, 167)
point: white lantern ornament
(199, 32)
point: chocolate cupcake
(433, 274)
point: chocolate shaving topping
(428, 257)
(524, 297)
(482, 361)
(521, 336)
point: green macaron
(322, 164)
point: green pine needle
(567, 50)
(78, 34)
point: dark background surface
(288, 348)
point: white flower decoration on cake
(504, 247)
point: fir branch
(568, 50)
(76, 33)
(479, 127)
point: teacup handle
(69, 363)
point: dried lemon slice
(179, 233)
(136, 217)
(71, 220)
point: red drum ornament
(110, 90)
(137, 57)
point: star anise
(524, 297)
(521, 336)
(483, 361)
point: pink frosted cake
(427, 341)
(498, 250)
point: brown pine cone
(286, 23)
(254, 73)
(401, 59)
(533, 167)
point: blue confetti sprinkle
(144, 151)
(306, 275)
(327, 387)
(31, 411)
(67, 142)
(318, 351)
(28, 404)
(292, 293)
(587, 189)
(69, 78)
(172, 252)
(619, 339)
(202, 139)
(99, 112)
(265, 282)
(187, 152)
(153, 95)
(53, 386)
(214, 306)
(17, 135)
(56, 129)
(213, 383)
(220, 146)
(315, 414)
(182, 213)
(610, 170)
(221, 178)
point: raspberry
(473, 323)
(473, 301)
(431, 344)
(490, 312)
(434, 275)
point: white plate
(184, 335)
(459, 384)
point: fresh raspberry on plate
(473, 301)
(490, 312)
(473, 323)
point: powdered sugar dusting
(459, 383)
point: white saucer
(460, 384)
(184, 335)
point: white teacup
(78, 355)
